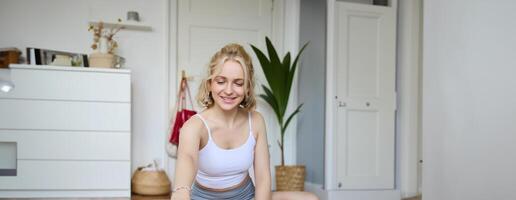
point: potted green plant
(280, 75)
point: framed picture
(39, 56)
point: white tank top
(223, 168)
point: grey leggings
(244, 192)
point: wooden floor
(413, 198)
(133, 197)
(138, 197)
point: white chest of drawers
(72, 130)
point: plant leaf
(294, 65)
(298, 109)
(271, 72)
(273, 55)
(264, 61)
(270, 98)
(272, 101)
(287, 84)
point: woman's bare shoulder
(193, 124)
(257, 120)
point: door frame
(285, 21)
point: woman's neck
(227, 117)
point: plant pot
(290, 178)
(102, 60)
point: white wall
(469, 120)
(63, 25)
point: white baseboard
(323, 194)
(364, 194)
(317, 189)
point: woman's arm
(187, 155)
(261, 161)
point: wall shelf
(127, 25)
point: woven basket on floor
(290, 178)
(150, 182)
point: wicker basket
(150, 182)
(290, 178)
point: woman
(219, 145)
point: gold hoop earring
(245, 102)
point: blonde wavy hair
(230, 52)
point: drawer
(64, 115)
(67, 145)
(69, 175)
(69, 85)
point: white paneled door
(204, 26)
(365, 98)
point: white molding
(323, 194)
(317, 189)
(171, 32)
(278, 24)
(409, 32)
(330, 94)
(291, 44)
(364, 194)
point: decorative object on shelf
(182, 113)
(8, 56)
(104, 45)
(280, 75)
(150, 181)
(103, 37)
(119, 61)
(133, 16)
(62, 60)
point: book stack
(38, 56)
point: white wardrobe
(66, 132)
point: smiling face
(230, 80)
(227, 87)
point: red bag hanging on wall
(182, 114)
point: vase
(103, 45)
(102, 60)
